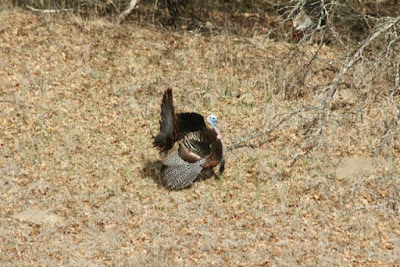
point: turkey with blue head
(188, 147)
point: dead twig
(390, 130)
(378, 206)
(244, 142)
(49, 10)
(397, 80)
(308, 66)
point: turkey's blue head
(212, 119)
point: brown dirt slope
(79, 101)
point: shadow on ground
(151, 169)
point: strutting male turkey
(187, 145)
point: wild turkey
(187, 145)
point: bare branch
(244, 142)
(313, 139)
(397, 80)
(49, 10)
(308, 66)
(356, 56)
(128, 10)
(332, 89)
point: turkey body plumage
(188, 147)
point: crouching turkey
(188, 147)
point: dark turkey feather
(190, 122)
(188, 147)
(168, 123)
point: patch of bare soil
(353, 167)
(79, 102)
(38, 217)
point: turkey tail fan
(178, 174)
(168, 123)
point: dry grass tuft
(80, 99)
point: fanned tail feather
(177, 173)
(168, 123)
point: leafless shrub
(369, 70)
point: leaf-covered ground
(79, 102)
